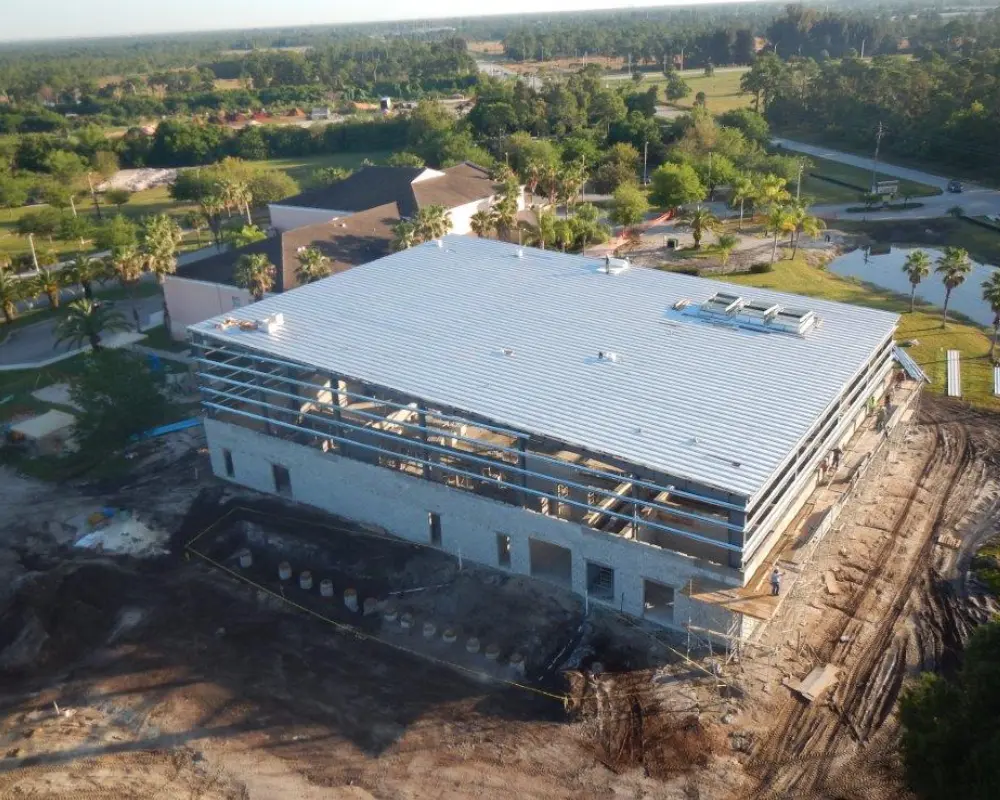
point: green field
(924, 325)
(158, 201)
(824, 191)
(722, 90)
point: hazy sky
(48, 19)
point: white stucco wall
(287, 218)
(191, 301)
(469, 523)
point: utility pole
(645, 160)
(878, 141)
(93, 195)
(34, 255)
(798, 183)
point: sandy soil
(163, 677)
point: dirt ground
(166, 677)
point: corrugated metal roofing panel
(954, 374)
(720, 405)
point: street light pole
(878, 141)
(645, 160)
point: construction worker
(880, 419)
(775, 581)
(837, 454)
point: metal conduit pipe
(476, 476)
(427, 446)
(540, 456)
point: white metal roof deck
(716, 404)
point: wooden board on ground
(949, 541)
(831, 582)
(817, 682)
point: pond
(886, 271)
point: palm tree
(404, 235)
(505, 215)
(953, 266)
(432, 222)
(726, 244)
(564, 234)
(160, 238)
(571, 180)
(482, 223)
(195, 219)
(804, 223)
(83, 271)
(12, 291)
(545, 230)
(128, 264)
(917, 267)
(50, 284)
(85, 321)
(771, 190)
(313, 265)
(743, 190)
(779, 221)
(255, 274)
(699, 220)
(991, 294)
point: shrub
(760, 269)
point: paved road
(37, 342)
(975, 200)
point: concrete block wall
(469, 523)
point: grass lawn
(924, 325)
(821, 191)
(19, 384)
(302, 168)
(983, 244)
(722, 90)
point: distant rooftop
(611, 360)
(411, 188)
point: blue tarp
(171, 428)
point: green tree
(675, 185)
(917, 267)
(128, 263)
(744, 190)
(12, 291)
(727, 242)
(432, 222)
(50, 283)
(196, 221)
(85, 322)
(628, 206)
(991, 294)
(83, 271)
(159, 240)
(805, 223)
(482, 223)
(113, 411)
(405, 159)
(404, 235)
(313, 265)
(327, 176)
(255, 273)
(779, 220)
(950, 741)
(699, 220)
(117, 232)
(677, 88)
(117, 197)
(953, 266)
(243, 235)
(270, 186)
(545, 230)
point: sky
(59, 19)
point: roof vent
(439, 242)
(615, 266)
(507, 351)
(520, 252)
(681, 304)
(607, 355)
(722, 304)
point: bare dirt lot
(169, 678)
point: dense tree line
(939, 108)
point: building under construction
(622, 432)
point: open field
(924, 325)
(722, 90)
(826, 191)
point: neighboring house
(463, 189)
(320, 113)
(350, 222)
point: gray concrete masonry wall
(469, 523)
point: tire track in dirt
(798, 758)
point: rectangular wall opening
(551, 562)
(282, 480)
(657, 602)
(503, 550)
(434, 525)
(600, 582)
(227, 459)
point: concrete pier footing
(285, 571)
(306, 580)
(351, 599)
